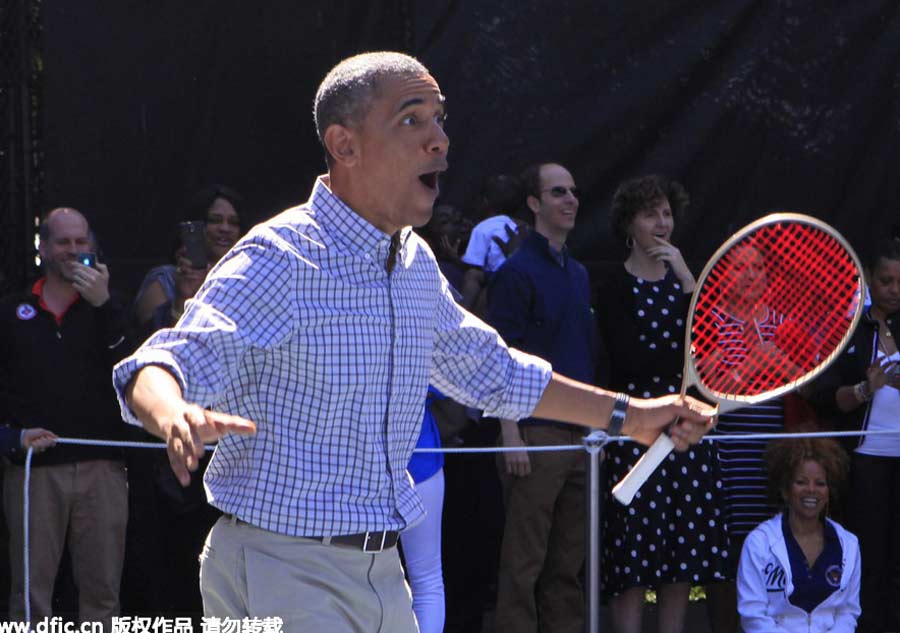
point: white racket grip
(626, 489)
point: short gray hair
(345, 95)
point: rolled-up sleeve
(232, 313)
(473, 365)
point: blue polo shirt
(539, 301)
(812, 585)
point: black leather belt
(371, 542)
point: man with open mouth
(307, 353)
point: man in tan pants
(324, 326)
(58, 343)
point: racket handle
(626, 489)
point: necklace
(886, 342)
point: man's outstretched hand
(646, 419)
(191, 428)
(155, 398)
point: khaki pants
(543, 541)
(84, 504)
(249, 572)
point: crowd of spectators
(511, 530)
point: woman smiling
(673, 534)
(800, 571)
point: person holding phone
(58, 343)
(212, 225)
(861, 391)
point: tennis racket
(773, 307)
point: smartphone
(194, 240)
(87, 259)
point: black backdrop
(755, 105)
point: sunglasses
(560, 192)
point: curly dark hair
(635, 195)
(784, 456)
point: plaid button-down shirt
(301, 329)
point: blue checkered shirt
(301, 329)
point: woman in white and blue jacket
(800, 571)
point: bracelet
(861, 391)
(617, 417)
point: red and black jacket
(55, 373)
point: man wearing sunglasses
(539, 301)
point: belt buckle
(369, 539)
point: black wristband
(617, 418)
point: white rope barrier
(25, 548)
(713, 437)
(596, 436)
(735, 437)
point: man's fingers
(225, 423)
(695, 410)
(194, 427)
(197, 432)
(175, 451)
(685, 433)
(678, 439)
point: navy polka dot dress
(674, 529)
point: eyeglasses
(560, 192)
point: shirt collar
(829, 531)
(348, 226)
(542, 244)
(38, 291)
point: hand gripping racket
(772, 308)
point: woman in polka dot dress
(672, 536)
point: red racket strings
(772, 309)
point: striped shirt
(744, 479)
(302, 329)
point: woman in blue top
(800, 571)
